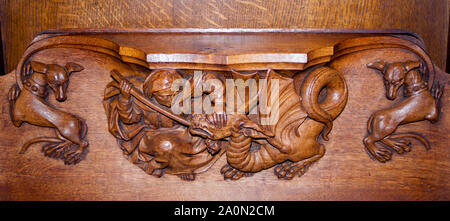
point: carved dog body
(30, 105)
(418, 105)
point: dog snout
(391, 92)
(61, 99)
(60, 94)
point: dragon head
(239, 123)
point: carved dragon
(292, 142)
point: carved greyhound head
(238, 123)
(56, 76)
(394, 74)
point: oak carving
(30, 105)
(309, 89)
(149, 134)
(291, 143)
(419, 104)
(161, 142)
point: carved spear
(138, 95)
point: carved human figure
(419, 104)
(153, 141)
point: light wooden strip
(301, 58)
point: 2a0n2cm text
(226, 211)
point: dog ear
(409, 65)
(378, 65)
(73, 67)
(39, 67)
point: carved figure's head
(202, 126)
(394, 74)
(57, 76)
(159, 85)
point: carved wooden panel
(257, 107)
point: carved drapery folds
(258, 109)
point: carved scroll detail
(419, 104)
(30, 105)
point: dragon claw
(231, 173)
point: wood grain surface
(23, 19)
(346, 172)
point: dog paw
(288, 170)
(400, 146)
(13, 93)
(376, 152)
(187, 176)
(437, 90)
(381, 154)
(56, 150)
(230, 173)
(157, 172)
(73, 157)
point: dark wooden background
(346, 171)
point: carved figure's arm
(128, 113)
